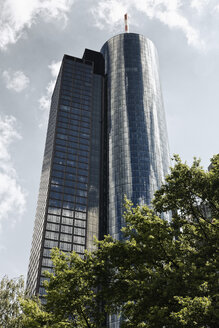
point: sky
(34, 36)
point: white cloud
(169, 12)
(16, 81)
(216, 9)
(12, 197)
(54, 68)
(109, 13)
(2, 248)
(45, 100)
(174, 19)
(16, 16)
(199, 5)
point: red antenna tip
(126, 23)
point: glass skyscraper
(106, 138)
(68, 206)
(138, 156)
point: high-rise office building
(138, 156)
(106, 138)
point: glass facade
(68, 204)
(106, 138)
(137, 143)
(138, 155)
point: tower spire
(126, 23)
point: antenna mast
(126, 23)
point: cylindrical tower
(138, 155)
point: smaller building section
(68, 204)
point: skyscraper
(106, 138)
(138, 156)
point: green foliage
(166, 273)
(192, 311)
(71, 297)
(34, 316)
(10, 310)
(163, 274)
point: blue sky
(34, 36)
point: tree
(10, 309)
(163, 274)
(71, 298)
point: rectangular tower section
(68, 205)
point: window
(84, 147)
(52, 226)
(52, 235)
(42, 291)
(47, 252)
(78, 248)
(60, 154)
(81, 208)
(72, 157)
(83, 153)
(60, 148)
(80, 223)
(57, 174)
(83, 159)
(42, 279)
(59, 167)
(55, 195)
(81, 200)
(82, 193)
(67, 221)
(57, 181)
(50, 243)
(54, 210)
(71, 170)
(79, 239)
(61, 142)
(53, 218)
(47, 262)
(82, 185)
(86, 119)
(79, 215)
(68, 213)
(56, 188)
(69, 198)
(64, 107)
(66, 229)
(82, 172)
(68, 205)
(83, 166)
(46, 269)
(64, 237)
(82, 179)
(79, 231)
(68, 181)
(70, 163)
(65, 246)
(55, 203)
